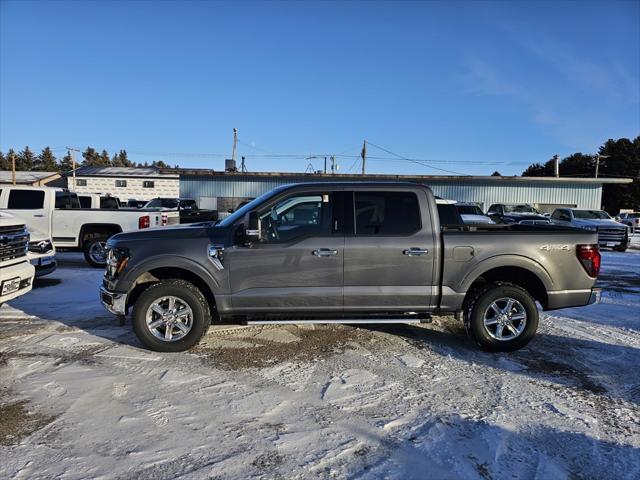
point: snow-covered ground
(81, 399)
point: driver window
(297, 216)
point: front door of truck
(389, 252)
(296, 267)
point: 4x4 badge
(555, 247)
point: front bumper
(44, 265)
(115, 302)
(23, 271)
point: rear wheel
(171, 316)
(502, 317)
(621, 248)
(95, 251)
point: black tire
(621, 248)
(89, 256)
(187, 293)
(479, 305)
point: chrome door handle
(415, 252)
(38, 215)
(324, 252)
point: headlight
(117, 259)
(42, 246)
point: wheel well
(165, 273)
(91, 231)
(516, 275)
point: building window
(121, 183)
(81, 182)
(148, 184)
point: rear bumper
(115, 302)
(24, 271)
(572, 298)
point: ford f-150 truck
(346, 253)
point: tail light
(589, 256)
(144, 222)
(165, 220)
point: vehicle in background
(187, 208)
(472, 214)
(346, 252)
(42, 254)
(16, 272)
(54, 212)
(631, 220)
(516, 213)
(95, 200)
(133, 203)
(448, 213)
(610, 233)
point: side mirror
(252, 232)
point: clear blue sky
(477, 85)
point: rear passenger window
(26, 199)
(386, 213)
(85, 202)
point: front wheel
(171, 316)
(95, 251)
(502, 317)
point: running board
(350, 321)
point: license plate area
(611, 244)
(10, 286)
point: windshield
(231, 219)
(520, 209)
(469, 210)
(591, 214)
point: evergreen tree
(25, 160)
(4, 163)
(11, 154)
(104, 160)
(120, 159)
(496, 174)
(66, 165)
(46, 161)
(159, 164)
(91, 157)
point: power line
(415, 161)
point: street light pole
(598, 157)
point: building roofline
(203, 172)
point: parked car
(610, 233)
(516, 213)
(630, 219)
(187, 208)
(471, 214)
(42, 254)
(54, 212)
(16, 272)
(346, 252)
(133, 203)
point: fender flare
(173, 261)
(501, 261)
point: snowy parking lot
(79, 397)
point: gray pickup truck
(342, 252)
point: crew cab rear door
(297, 266)
(389, 252)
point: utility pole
(363, 154)
(598, 157)
(235, 144)
(556, 165)
(71, 151)
(243, 169)
(333, 165)
(13, 168)
(325, 165)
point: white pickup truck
(55, 213)
(16, 271)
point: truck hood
(517, 217)
(174, 231)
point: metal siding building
(540, 191)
